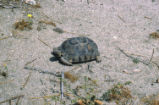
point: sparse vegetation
(91, 101)
(23, 25)
(119, 93)
(136, 61)
(150, 100)
(127, 38)
(154, 35)
(70, 77)
(88, 90)
(127, 83)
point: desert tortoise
(77, 50)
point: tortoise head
(57, 52)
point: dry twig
(50, 96)
(43, 42)
(10, 6)
(26, 80)
(151, 56)
(42, 71)
(12, 98)
(30, 62)
(48, 22)
(5, 37)
(133, 57)
(61, 86)
(142, 56)
(121, 18)
(17, 103)
(148, 17)
(87, 1)
(5, 82)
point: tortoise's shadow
(53, 59)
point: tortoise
(77, 50)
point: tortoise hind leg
(63, 60)
(98, 59)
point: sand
(112, 24)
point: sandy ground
(112, 24)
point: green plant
(88, 97)
(117, 93)
(136, 60)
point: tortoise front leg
(63, 60)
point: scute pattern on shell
(78, 49)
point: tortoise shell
(77, 50)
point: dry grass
(151, 100)
(70, 77)
(88, 102)
(118, 93)
(154, 35)
(22, 25)
(47, 22)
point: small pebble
(126, 71)
(136, 70)
(115, 37)
(59, 30)
(31, 2)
